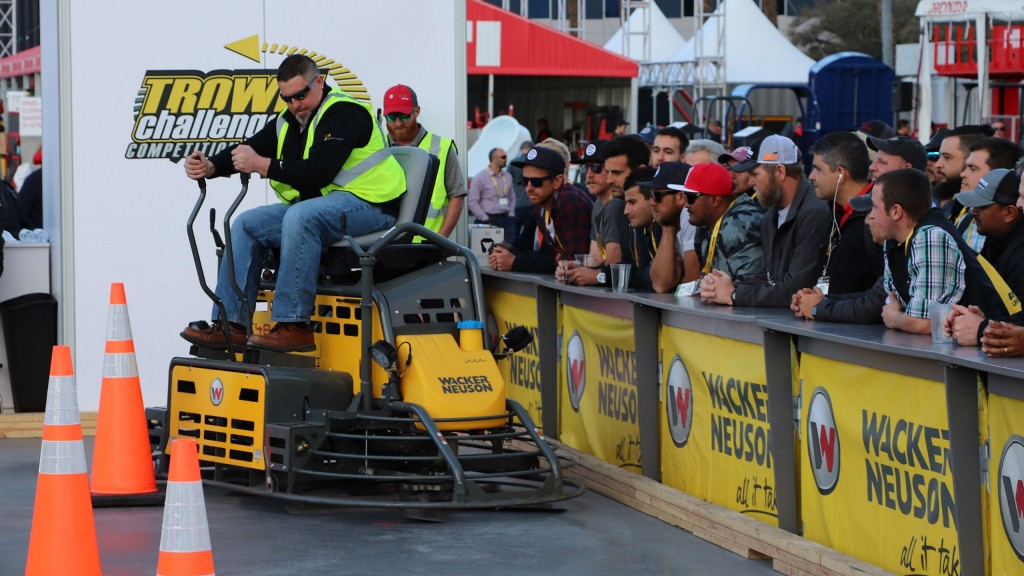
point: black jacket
(794, 253)
(856, 260)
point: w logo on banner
(679, 402)
(1011, 493)
(823, 442)
(575, 369)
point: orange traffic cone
(185, 540)
(63, 539)
(122, 462)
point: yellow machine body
(451, 382)
(222, 410)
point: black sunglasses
(537, 182)
(660, 195)
(595, 168)
(691, 197)
(301, 94)
(933, 156)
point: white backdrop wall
(123, 220)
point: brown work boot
(212, 336)
(286, 337)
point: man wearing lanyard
(853, 259)
(491, 197)
(609, 228)
(562, 216)
(728, 236)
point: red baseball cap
(711, 179)
(399, 98)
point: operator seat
(420, 169)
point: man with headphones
(840, 172)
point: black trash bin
(30, 332)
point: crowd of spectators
(871, 226)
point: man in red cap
(728, 222)
(402, 111)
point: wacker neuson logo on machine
(178, 112)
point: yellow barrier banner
(521, 371)
(715, 436)
(597, 395)
(1006, 485)
(875, 467)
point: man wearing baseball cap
(401, 112)
(742, 182)
(728, 223)
(794, 230)
(675, 261)
(993, 203)
(562, 215)
(895, 153)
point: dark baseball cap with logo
(905, 147)
(667, 173)
(542, 158)
(592, 153)
(648, 134)
(999, 186)
(877, 128)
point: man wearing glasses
(999, 129)
(561, 212)
(402, 111)
(321, 159)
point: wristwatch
(814, 311)
(600, 278)
(732, 298)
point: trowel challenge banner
(715, 437)
(597, 392)
(521, 371)
(1006, 485)
(876, 478)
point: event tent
(755, 51)
(502, 43)
(664, 39)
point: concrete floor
(250, 535)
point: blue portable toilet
(850, 88)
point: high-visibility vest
(437, 146)
(370, 172)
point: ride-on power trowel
(402, 402)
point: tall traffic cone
(185, 540)
(122, 462)
(63, 539)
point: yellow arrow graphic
(248, 47)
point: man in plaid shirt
(562, 216)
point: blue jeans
(300, 230)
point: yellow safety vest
(437, 146)
(370, 172)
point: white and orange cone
(122, 462)
(63, 539)
(185, 540)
